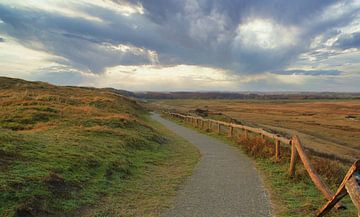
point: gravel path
(224, 183)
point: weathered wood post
(218, 128)
(277, 149)
(246, 134)
(311, 171)
(346, 186)
(293, 159)
(231, 131)
(353, 188)
(238, 135)
(209, 125)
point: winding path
(224, 183)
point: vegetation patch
(327, 126)
(295, 196)
(64, 151)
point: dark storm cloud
(2, 40)
(200, 32)
(291, 11)
(349, 41)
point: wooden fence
(350, 184)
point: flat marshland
(70, 151)
(327, 126)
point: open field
(328, 126)
(67, 151)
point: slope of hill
(62, 149)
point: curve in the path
(225, 183)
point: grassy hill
(70, 151)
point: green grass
(67, 151)
(296, 196)
(150, 192)
(62, 169)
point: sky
(184, 45)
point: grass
(296, 196)
(315, 121)
(149, 194)
(67, 151)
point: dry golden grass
(328, 126)
(39, 106)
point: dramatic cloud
(349, 41)
(245, 39)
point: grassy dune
(68, 151)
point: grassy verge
(296, 196)
(67, 151)
(151, 190)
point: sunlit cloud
(123, 7)
(265, 34)
(19, 60)
(166, 78)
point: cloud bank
(241, 39)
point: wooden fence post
(231, 130)
(209, 125)
(293, 159)
(353, 188)
(277, 149)
(238, 136)
(218, 128)
(263, 137)
(343, 190)
(246, 134)
(311, 171)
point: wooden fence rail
(350, 184)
